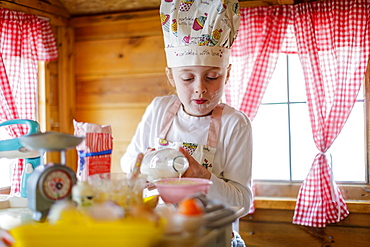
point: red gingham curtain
(254, 55)
(24, 40)
(332, 40)
(333, 44)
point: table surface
(13, 217)
(220, 237)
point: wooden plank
(115, 106)
(119, 148)
(252, 4)
(88, 8)
(123, 121)
(274, 228)
(53, 99)
(355, 220)
(66, 88)
(355, 192)
(282, 235)
(274, 189)
(5, 190)
(4, 204)
(275, 235)
(124, 25)
(54, 118)
(66, 83)
(277, 189)
(53, 67)
(43, 111)
(147, 15)
(126, 56)
(44, 6)
(52, 123)
(47, 99)
(109, 19)
(348, 236)
(270, 215)
(358, 206)
(140, 28)
(289, 203)
(286, 216)
(367, 107)
(55, 19)
(121, 89)
(57, 3)
(275, 203)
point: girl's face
(199, 88)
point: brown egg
(144, 212)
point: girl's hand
(195, 170)
(148, 150)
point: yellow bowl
(127, 232)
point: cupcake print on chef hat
(199, 22)
(199, 32)
(174, 27)
(165, 21)
(185, 5)
(210, 40)
(222, 7)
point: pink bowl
(173, 190)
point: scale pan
(50, 141)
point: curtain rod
(44, 18)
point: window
(283, 145)
(19, 63)
(6, 165)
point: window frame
(283, 195)
(42, 108)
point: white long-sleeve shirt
(232, 165)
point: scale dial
(46, 185)
(57, 184)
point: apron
(204, 154)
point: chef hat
(199, 32)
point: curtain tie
(332, 186)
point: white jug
(164, 163)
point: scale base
(40, 216)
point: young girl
(216, 138)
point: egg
(191, 206)
(168, 212)
(190, 216)
(144, 212)
(106, 211)
(189, 225)
(63, 211)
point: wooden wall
(120, 68)
(274, 228)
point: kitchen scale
(50, 182)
